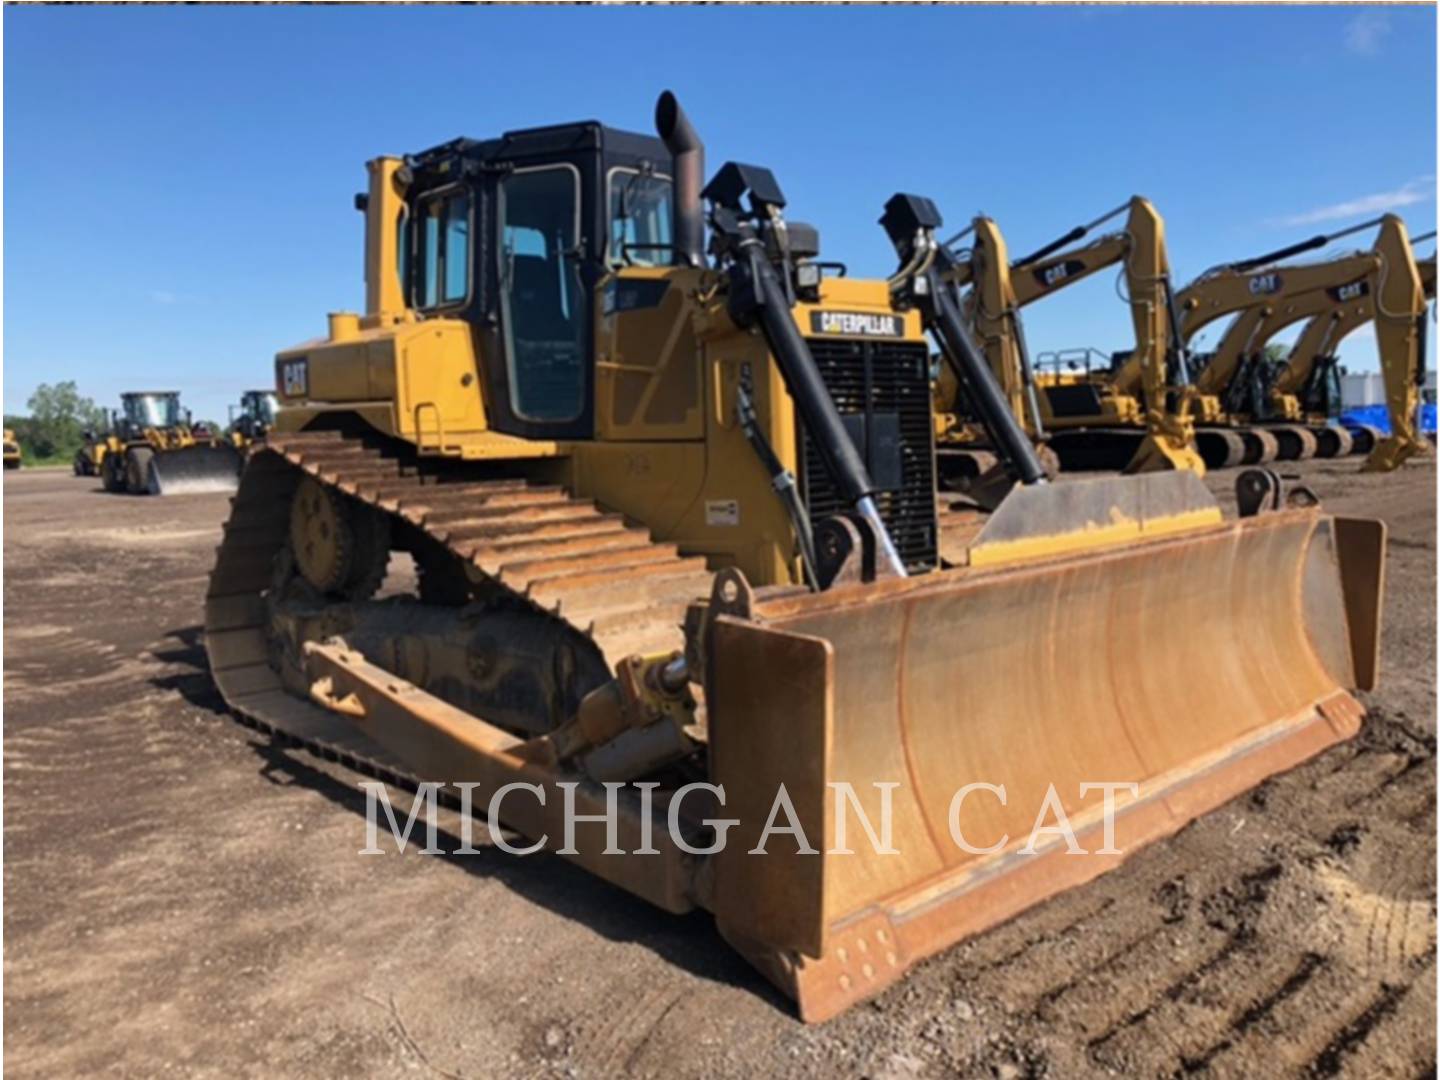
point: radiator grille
(870, 378)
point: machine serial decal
(722, 512)
(633, 295)
(856, 324)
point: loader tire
(1261, 447)
(112, 475)
(138, 469)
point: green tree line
(59, 415)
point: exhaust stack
(688, 156)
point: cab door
(544, 301)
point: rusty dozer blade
(1186, 655)
(195, 469)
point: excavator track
(592, 572)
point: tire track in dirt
(187, 923)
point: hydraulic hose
(1069, 238)
(979, 382)
(782, 481)
(1027, 375)
(760, 296)
(1297, 249)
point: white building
(1368, 388)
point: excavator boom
(1159, 401)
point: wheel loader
(252, 418)
(667, 482)
(12, 450)
(90, 458)
(1266, 296)
(153, 447)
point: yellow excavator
(673, 513)
(1088, 419)
(1266, 296)
(1307, 384)
(1121, 431)
(152, 447)
(13, 455)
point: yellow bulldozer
(152, 447)
(13, 455)
(681, 567)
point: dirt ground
(184, 898)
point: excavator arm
(1397, 287)
(1000, 286)
(1324, 332)
(1261, 298)
(1047, 276)
(995, 318)
(1000, 289)
(1400, 328)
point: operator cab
(260, 406)
(513, 234)
(150, 409)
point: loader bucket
(195, 469)
(1184, 655)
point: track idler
(1293, 442)
(1363, 438)
(1220, 448)
(1332, 440)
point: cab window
(639, 219)
(542, 302)
(444, 250)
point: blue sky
(178, 180)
